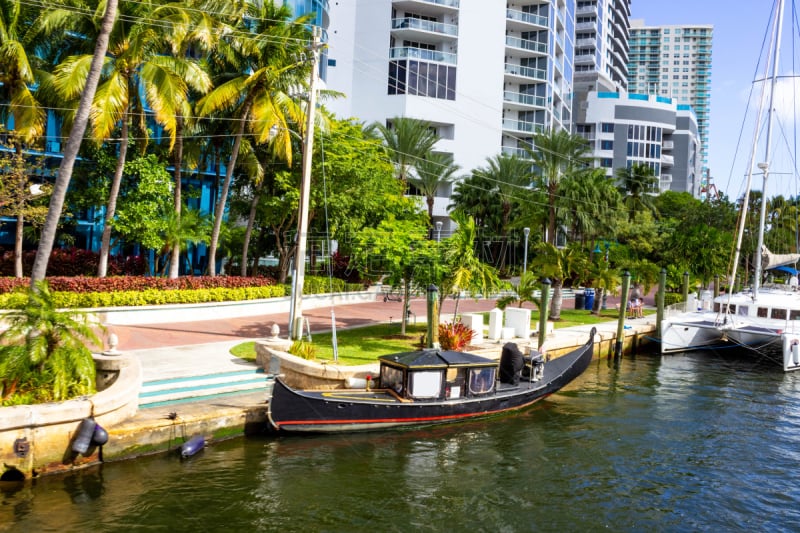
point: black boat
(428, 387)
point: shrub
(672, 298)
(303, 349)
(454, 336)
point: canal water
(695, 442)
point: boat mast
(751, 162)
(764, 165)
(296, 311)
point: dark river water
(696, 442)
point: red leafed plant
(454, 335)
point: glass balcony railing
(448, 3)
(524, 99)
(518, 152)
(424, 25)
(530, 18)
(420, 53)
(526, 72)
(525, 44)
(520, 125)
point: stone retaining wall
(37, 439)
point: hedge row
(85, 284)
(155, 296)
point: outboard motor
(511, 363)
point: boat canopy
(435, 359)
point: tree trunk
(18, 245)
(598, 297)
(175, 257)
(555, 303)
(406, 305)
(105, 244)
(219, 212)
(249, 230)
(73, 145)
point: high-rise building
(485, 75)
(601, 43)
(675, 62)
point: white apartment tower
(486, 75)
(601, 43)
(674, 61)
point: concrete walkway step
(158, 393)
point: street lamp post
(438, 230)
(526, 231)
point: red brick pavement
(147, 336)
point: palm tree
(17, 75)
(510, 179)
(138, 76)
(524, 291)
(408, 141)
(466, 270)
(42, 353)
(257, 94)
(77, 130)
(557, 154)
(637, 184)
(189, 30)
(588, 205)
(558, 265)
(432, 172)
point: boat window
(794, 314)
(427, 384)
(392, 378)
(779, 313)
(454, 383)
(481, 380)
(763, 312)
(716, 307)
(742, 310)
(728, 309)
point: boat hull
(361, 410)
(691, 331)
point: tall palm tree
(432, 172)
(257, 94)
(77, 130)
(588, 205)
(408, 141)
(191, 29)
(138, 76)
(557, 154)
(558, 265)
(637, 184)
(510, 179)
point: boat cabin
(437, 375)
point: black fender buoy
(192, 446)
(100, 435)
(83, 438)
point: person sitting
(636, 304)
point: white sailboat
(765, 319)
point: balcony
(516, 152)
(585, 26)
(586, 43)
(422, 54)
(417, 29)
(521, 126)
(585, 59)
(526, 45)
(523, 21)
(526, 73)
(668, 145)
(520, 100)
(667, 160)
(427, 7)
(586, 10)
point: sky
(740, 29)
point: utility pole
(296, 311)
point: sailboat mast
(296, 310)
(764, 165)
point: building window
(606, 162)
(422, 79)
(606, 145)
(607, 127)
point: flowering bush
(454, 336)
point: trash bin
(579, 299)
(588, 295)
